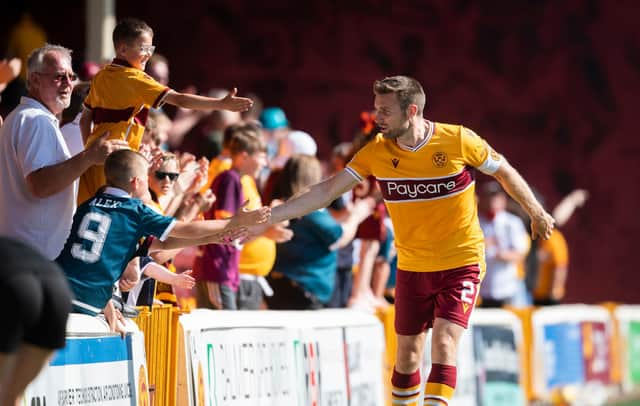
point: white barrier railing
(335, 357)
(328, 357)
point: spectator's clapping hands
(9, 70)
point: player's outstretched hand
(245, 217)
(184, 280)
(233, 103)
(542, 226)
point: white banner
(93, 371)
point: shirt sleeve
(478, 153)
(360, 164)
(155, 224)
(39, 145)
(151, 92)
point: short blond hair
(123, 165)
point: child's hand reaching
(230, 237)
(233, 103)
(184, 280)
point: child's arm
(162, 274)
(193, 101)
(224, 237)
(205, 229)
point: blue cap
(273, 118)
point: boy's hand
(184, 280)
(230, 236)
(114, 318)
(249, 218)
(103, 146)
(233, 103)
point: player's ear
(412, 110)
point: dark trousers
(289, 295)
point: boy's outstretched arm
(192, 101)
(162, 274)
(205, 228)
(223, 237)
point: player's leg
(405, 381)
(453, 306)
(414, 309)
(441, 382)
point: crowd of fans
(181, 188)
(213, 157)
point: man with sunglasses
(38, 184)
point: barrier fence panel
(628, 319)
(95, 367)
(571, 350)
(319, 358)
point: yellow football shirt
(258, 255)
(119, 100)
(429, 191)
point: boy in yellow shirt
(122, 93)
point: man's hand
(542, 225)
(102, 147)
(233, 103)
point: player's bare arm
(314, 198)
(192, 101)
(208, 228)
(541, 222)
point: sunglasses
(58, 77)
(160, 175)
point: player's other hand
(542, 225)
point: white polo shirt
(504, 232)
(30, 139)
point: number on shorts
(468, 293)
(96, 237)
